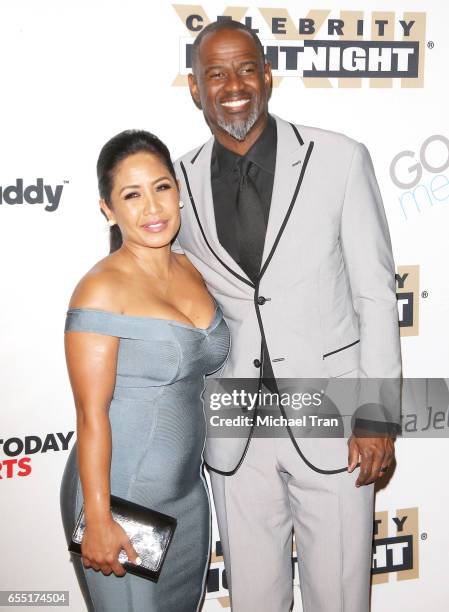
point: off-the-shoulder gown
(158, 434)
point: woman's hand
(101, 544)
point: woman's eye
(131, 194)
(163, 187)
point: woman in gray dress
(141, 333)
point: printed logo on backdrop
(422, 176)
(35, 193)
(395, 545)
(15, 452)
(217, 586)
(407, 293)
(350, 45)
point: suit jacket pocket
(343, 358)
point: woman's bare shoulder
(101, 287)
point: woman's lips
(155, 226)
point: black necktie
(251, 227)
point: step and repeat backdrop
(74, 74)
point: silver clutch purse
(150, 533)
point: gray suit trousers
(273, 492)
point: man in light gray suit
(286, 225)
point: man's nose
(234, 82)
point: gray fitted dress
(158, 435)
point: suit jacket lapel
(291, 162)
(198, 171)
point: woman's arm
(92, 363)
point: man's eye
(247, 70)
(216, 75)
(163, 187)
(131, 194)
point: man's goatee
(239, 130)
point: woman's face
(144, 201)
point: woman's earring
(111, 222)
(181, 204)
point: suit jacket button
(261, 300)
(257, 363)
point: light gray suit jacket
(327, 273)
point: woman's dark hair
(116, 150)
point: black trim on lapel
(292, 203)
(243, 279)
(284, 223)
(193, 160)
(297, 134)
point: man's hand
(376, 456)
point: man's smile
(236, 104)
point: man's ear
(268, 78)
(194, 91)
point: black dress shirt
(225, 178)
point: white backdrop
(75, 73)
